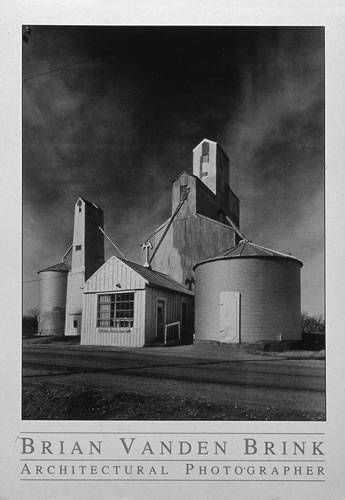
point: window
(116, 310)
(183, 190)
(204, 158)
(75, 323)
(78, 247)
(205, 148)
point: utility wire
(58, 69)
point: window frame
(183, 190)
(117, 311)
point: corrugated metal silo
(248, 294)
(53, 287)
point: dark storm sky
(119, 125)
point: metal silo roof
(61, 266)
(248, 249)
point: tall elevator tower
(87, 257)
(212, 166)
(205, 212)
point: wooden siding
(107, 280)
(188, 242)
(112, 274)
(91, 335)
(173, 311)
(270, 298)
(189, 206)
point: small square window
(78, 247)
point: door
(76, 324)
(160, 320)
(229, 324)
(184, 321)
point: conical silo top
(248, 249)
(60, 267)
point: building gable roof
(157, 279)
(205, 139)
(89, 203)
(113, 272)
(184, 172)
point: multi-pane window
(116, 310)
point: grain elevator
(203, 277)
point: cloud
(119, 127)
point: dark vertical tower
(87, 257)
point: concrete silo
(248, 294)
(53, 287)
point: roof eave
(267, 257)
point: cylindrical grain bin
(248, 294)
(53, 287)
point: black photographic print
(173, 223)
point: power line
(58, 69)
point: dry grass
(42, 401)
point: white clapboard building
(126, 304)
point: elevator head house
(129, 305)
(205, 216)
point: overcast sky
(113, 113)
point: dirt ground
(63, 380)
